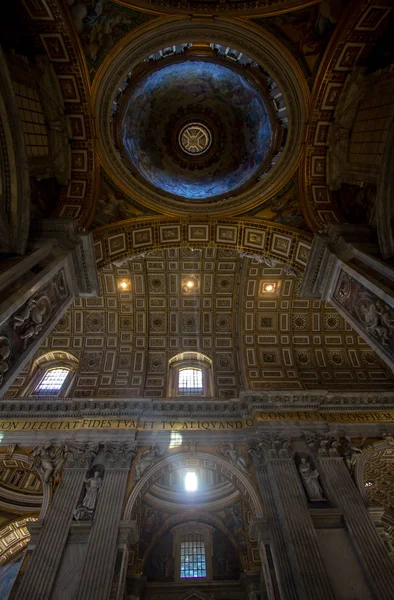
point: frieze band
(158, 424)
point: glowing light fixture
(191, 481)
(268, 287)
(190, 284)
(124, 285)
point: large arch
(257, 43)
(25, 462)
(254, 237)
(52, 24)
(369, 466)
(239, 479)
(353, 38)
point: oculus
(195, 139)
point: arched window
(52, 382)
(51, 374)
(190, 374)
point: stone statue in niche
(85, 510)
(310, 479)
(146, 461)
(235, 456)
(47, 461)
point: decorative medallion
(195, 138)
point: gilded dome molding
(260, 8)
(257, 43)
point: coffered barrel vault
(197, 388)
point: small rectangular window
(52, 382)
(190, 382)
(193, 563)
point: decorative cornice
(136, 408)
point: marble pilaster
(97, 573)
(345, 268)
(299, 565)
(40, 575)
(36, 290)
(301, 540)
(376, 562)
(272, 533)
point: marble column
(345, 268)
(98, 570)
(376, 562)
(294, 533)
(40, 575)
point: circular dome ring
(258, 44)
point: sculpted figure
(146, 461)
(85, 510)
(234, 456)
(378, 319)
(352, 452)
(5, 351)
(310, 480)
(24, 314)
(93, 486)
(47, 461)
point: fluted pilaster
(40, 575)
(98, 570)
(377, 565)
(298, 531)
(282, 564)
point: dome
(199, 126)
(196, 129)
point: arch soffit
(78, 199)
(260, 45)
(356, 33)
(375, 451)
(241, 481)
(255, 237)
(46, 490)
(202, 516)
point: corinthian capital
(323, 444)
(275, 445)
(79, 455)
(119, 455)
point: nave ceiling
(256, 339)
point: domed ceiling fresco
(196, 129)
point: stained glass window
(193, 563)
(190, 381)
(52, 382)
